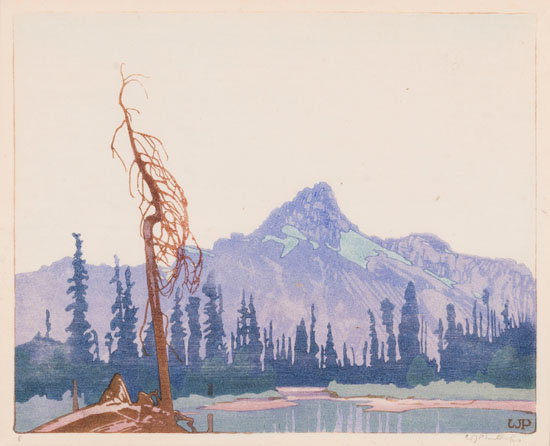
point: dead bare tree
(164, 227)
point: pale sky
(420, 123)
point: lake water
(346, 416)
(310, 415)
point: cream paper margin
(9, 8)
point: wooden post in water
(75, 396)
(210, 418)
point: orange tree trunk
(151, 269)
(165, 206)
(156, 316)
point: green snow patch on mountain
(293, 237)
(194, 250)
(353, 246)
(450, 283)
(358, 249)
(289, 243)
(291, 231)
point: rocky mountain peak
(314, 212)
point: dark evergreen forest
(208, 360)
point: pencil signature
(511, 438)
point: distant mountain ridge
(305, 252)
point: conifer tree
(195, 333)
(127, 342)
(220, 306)
(391, 348)
(237, 337)
(313, 347)
(485, 299)
(242, 324)
(232, 346)
(220, 318)
(474, 318)
(421, 334)
(387, 320)
(254, 342)
(289, 352)
(505, 316)
(439, 332)
(79, 340)
(148, 346)
(118, 316)
(95, 344)
(365, 351)
(409, 346)
(300, 346)
(481, 324)
(347, 363)
(214, 332)
(48, 324)
(374, 358)
(177, 353)
(426, 338)
(330, 351)
(109, 343)
(451, 333)
(148, 356)
(269, 353)
(265, 346)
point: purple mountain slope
(306, 252)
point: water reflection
(346, 416)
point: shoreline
(396, 405)
(291, 396)
(250, 404)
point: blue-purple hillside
(308, 253)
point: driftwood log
(115, 412)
